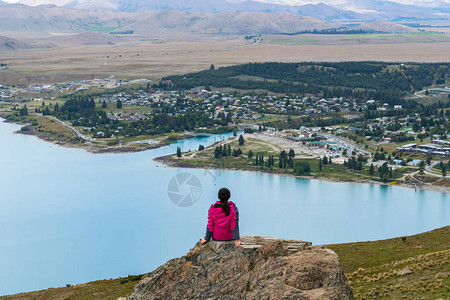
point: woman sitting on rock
(223, 220)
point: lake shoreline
(94, 149)
(151, 144)
(169, 161)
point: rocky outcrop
(264, 268)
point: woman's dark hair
(224, 194)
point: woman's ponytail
(224, 194)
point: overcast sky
(300, 2)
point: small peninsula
(278, 153)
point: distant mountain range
(388, 10)
(51, 18)
(359, 10)
(225, 23)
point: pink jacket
(220, 226)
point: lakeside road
(79, 134)
(347, 144)
(429, 170)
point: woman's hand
(203, 241)
(237, 243)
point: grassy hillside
(101, 289)
(371, 267)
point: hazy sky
(300, 2)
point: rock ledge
(264, 268)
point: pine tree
(218, 152)
(241, 140)
(290, 162)
(291, 153)
(320, 164)
(178, 151)
(104, 105)
(384, 172)
(282, 159)
(23, 111)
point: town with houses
(248, 110)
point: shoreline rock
(263, 268)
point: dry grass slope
(374, 268)
(101, 289)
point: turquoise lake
(68, 216)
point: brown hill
(8, 44)
(50, 18)
(227, 23)
(388, 27)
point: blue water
(68, 216)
